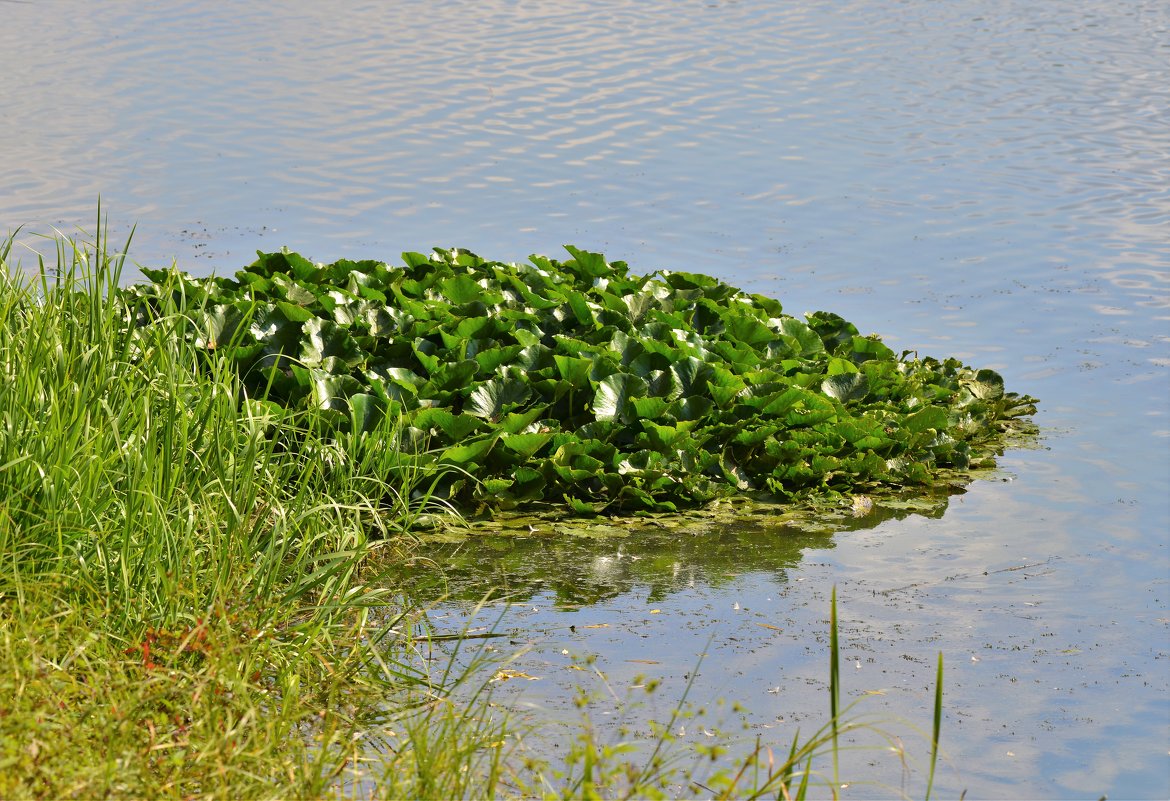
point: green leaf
(367, 411)
(748, 331)
(931, 418)
(451, 375)
(525, 445)
(649, 408)
(325, 339)
(846, 387)
(492, 399)
(460, 289)
(574, 370)
(333, 391)
(612, 401)
(469, 452)
(985, 385)
(455, 427)
(293, 312)
(590, 264)
(692, 408)
(690, 376)
(807, 340)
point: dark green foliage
(579, 383)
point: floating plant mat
(578, 386)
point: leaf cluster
(579, 382)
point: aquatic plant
(578, 382)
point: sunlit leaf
(613, 397)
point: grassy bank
(190, 602)
(182, 604)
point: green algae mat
(580, 386)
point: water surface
(979, 179)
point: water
(985, 180)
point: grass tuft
(187, 605)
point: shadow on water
(583, 562)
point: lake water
(983, 179)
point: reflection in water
(573, 572)
(582, 562)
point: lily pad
(580, 386)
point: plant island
(580, 385)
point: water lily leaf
(931, 418)
(724, 386)
(846, 387)
(455, 427)
(985, 385)
(589, 264)
(649, 408)
(692, 408)
(272, 326)
(580, 307)
(521, 422)
(333, 391)
(573, 369)
(775, 403)
(535, 357)
(400, 376)
(525, 445)
(451, 375)
(217, 326)
(691, 376)
(583, 508)
(833, 329)
(494, 486)
(460, 289)
(288, 289)
(490, 359)
(473, 452)
(367, 411)
(866, 348)
(529, 484)
(492, 399)
(477, 327)
(293, 312)
(837, 366)
(325, 339)
(639, 304)
(749, 331)
(808, 342)
(614, 392)
(660, 437)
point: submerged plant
(577, 382)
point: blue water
(987, 180)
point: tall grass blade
(834, 681)
(938, 696)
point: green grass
(190, 601)
(185, 600)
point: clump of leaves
(576, 382)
